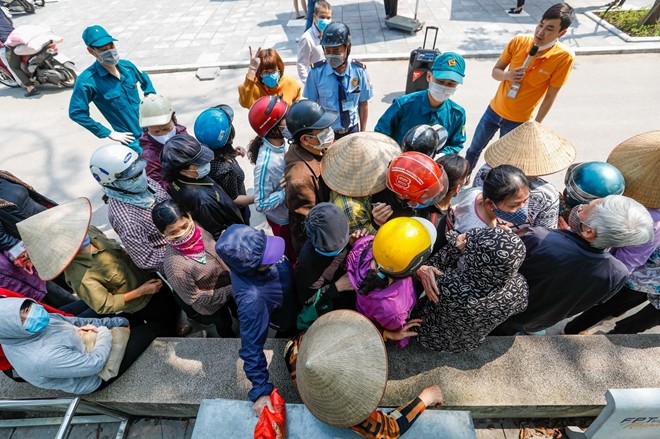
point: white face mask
(203, 171)
(165, 137)
(439, 92)
(325, 138)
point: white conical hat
(533, 148)
(341, 370)
(638, 159)
(356, 165)
(53, 237)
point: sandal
(300, 17)
(32, 92)
(515, 10)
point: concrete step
(507, 377)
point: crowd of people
(376, 236)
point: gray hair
(620, 222)
(322, 5)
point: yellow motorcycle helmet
(403, 244)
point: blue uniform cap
(449, 65)
(96, 36)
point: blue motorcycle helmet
(213, 127)
(591, 180)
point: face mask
(109, 57)
(190, 244)
(87, 241)
(271, 79)
(330, 254)
(418, 205)
(439, 92)
(203, 171)
(37, 319)
(322, 23)
(515, 218)
(325, 138)
(334, 60)
(135, 185)
(574, 221)
(165, 137)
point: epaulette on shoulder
(318, 64)
(358, 63)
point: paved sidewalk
(164, 34)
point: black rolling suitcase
(421, 60)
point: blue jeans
(488, 125)
(310, 13)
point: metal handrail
(72, 404)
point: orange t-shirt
(550, 69)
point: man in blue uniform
(111, 83)
(431, 106)
(340, 84)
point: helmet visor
(136, 168)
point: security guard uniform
(340, 92)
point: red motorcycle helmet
(266, 113)
(416, 178)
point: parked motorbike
(47, 66)
(22, 6)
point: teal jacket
(415, 109)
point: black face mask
(275, 133)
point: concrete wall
(553, 376)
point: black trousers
(618, 304)
(162, 310)
(391, 7)
(140, 339)
(221, 318)
(646, 318)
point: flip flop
(31, 93)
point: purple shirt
(635, 256)
(389, 307)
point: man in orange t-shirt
(521, 89)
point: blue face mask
(87, 241)
(518, 217)
(37, 319)
(323, 23)
(203, 171)
(271, 79)
(330, 254)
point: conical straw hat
(638, 159)
(53, 237)
(341, 371)
(356, 165)
(533, 148)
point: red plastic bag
(272, 425)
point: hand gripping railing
(72, 404)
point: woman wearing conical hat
(355, 375)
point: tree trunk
(653, 17)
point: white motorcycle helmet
(155, 110)
(115, 162)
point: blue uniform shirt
(415, 109)
(322, 86)
(118, 100)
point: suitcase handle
(426, 33)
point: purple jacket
(151, 149)
(390, 307)
(20, 281)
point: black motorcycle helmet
(337, 34)
(305, 116)
(181, 151)
(426, 139)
